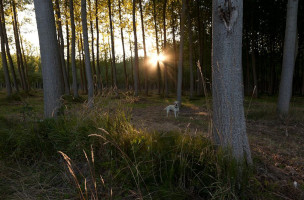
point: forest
(152, 99)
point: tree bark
(50, 59)
(73, 59)
(201, 50)
(123, 47)
(165, 49)
(92, 45)
(61, 49)
(18, 48)
(7, 47)
(68, 40)
(87, 54)
(99, 81)
(135, 69)
(4, 64)
(113, 63)
(145, 51)
(157, 47)
(229, 127)
(181, 51)
(190, 49)
(285, 91)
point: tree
(165, 48)
(145, 50)
(289, 53)
(123, 46)
(18, 49)
(135, 69)
(50, 60)
(87, 53)
(113, 48)
(73, 59)
(229, 128)
(10, 60)
(61, 49)
(181, 51)
(97, 48)
(4, 62)
(157, 47)
(190, 48)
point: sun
(154, 58)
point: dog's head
(176, 104)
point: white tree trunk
(50, 60)
(285, 91)
(229, 128)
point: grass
(100, 153)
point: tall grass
(105, 157)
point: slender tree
(50, 60)
(113, 64)
(18, 48)
(229, 128)
(10, 60)
(157, 45)
(289, 56)
(61, 49)
(123, 45)
(135, 69)
(144, 45)
(165, 48)
(92, 43)
(73, 50)
(4, 63)
(181, 51)
(99, 81)
(190, 48)
(87, 53)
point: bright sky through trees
(30, 34)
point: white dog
(174, 108)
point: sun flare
(154, 58)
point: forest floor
(277, 146)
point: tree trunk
(229, 128)
(165, 49)
(92, 45)
(190, 49)
(174, 46)
(157, 47)
(113, 64)
(201, 50)
(285, 91)
(7, 47)
(50, 60)
(123, 47)
(73, 59)
(255, 79)
(87, 54)
(68, 40)
(4, 64)
(61, 49)
(135, 69)
(181, 52)
(18, 48)
(145, 51)
(99, 81)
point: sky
(31, 40)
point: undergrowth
(105, 157)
